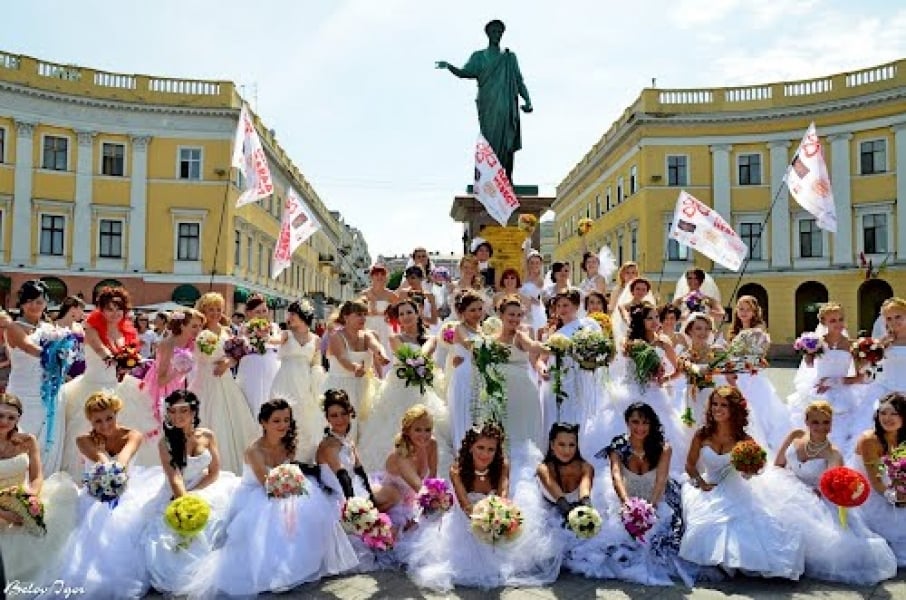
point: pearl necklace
(813, 449)
(482, 475)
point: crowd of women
(437, 380)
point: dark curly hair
(466, 298)
(176, 437)
(254, 301)
(31, 290)
(466, 465)
(599, 296)
(114, 295)
(739, 413)
(338, 398)
(291, 438)
(393, 312)
(898, 401)
(637, 315)
(654, 443)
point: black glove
(584, 501)
(360, 471)
(564, 506)
(345, 483)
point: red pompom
(845, 487)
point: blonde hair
(892, 304)
(7, 399)
(402, 443)
(757, 317)
(212, 299)
(175, 324)
(827, 308)
(101, 401)
(625, 267)
(820, 406)
(468, 259)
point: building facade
(108, 178)
(729, 147)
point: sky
(351, 90)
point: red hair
(97, 321)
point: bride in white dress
(223, 406)
(459, 375)
(256, 372)
(892, 375)
(394, 397)
(378, 299)
(301, 376)
(42, 417)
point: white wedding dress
(299, 382)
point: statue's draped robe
(499, 82)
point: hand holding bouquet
(236, 347)
(435, 497)
(414, 367)
(207, 342)
(259, 333)
(638, 517)
(584, 521)
(809, 345)
(285, 481)
(868, 352)
(107, 482)
(27, 506)
(496, 519)
(187, 516)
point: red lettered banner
(700, 227)
(492, 187)
(250, 160)
(298, 225)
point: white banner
(701, 228)
(250, 160)
(808, 181)
(492, 187)
(298, 225)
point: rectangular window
(749, 169)
(607, 199)
(619, 190)
(620, 249)
(810, 239)
(260, 259)
(190, 163)
(269, 265)
(55, 153)
(633, 179)
(675, 250)
(111, 239)
(874, 233)
(677, 171)
(2, 144)
(53, 228)
(751, 236)
(237, 250)
(113, 159)
(633, 244)
(597, 206)
(188, 242)
(873, 157)
(248, 255)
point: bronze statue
(499, 87)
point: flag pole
(223, 210)
(745, 263)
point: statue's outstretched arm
(523, 91)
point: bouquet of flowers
(182, 361)
(448, 331)
(59, 350)
(380, 536)
(259, 332)
(638, 517)
(435, 497)
(527, 223)
(358, 515)
(126, 358)
(700, 376)
(236, 347)
(894, 465)
(107, 482)
(592, 349)
(27, 506)
(584, 226)
(489, 354)
(559, 346)
(285, 481)
(746, 352)
(695, 301)
(868, 353)
(495, 519)
(844, 487)
(604, 321)
(809, 344)
(187, 516)
(414, 367)
(748, 457)
(492, 326)
(646, 362)
(584, 521)
(207, 342)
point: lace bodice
(640, 486)
(13, 470)
(893, 375)
(295, 352)
(808, 472)
(196, 468)
(833, 363)
(25, 370)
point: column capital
(140, 142)
(86, 138)
(25, 128)
(780, 144)
(720, 148)
(840, 137)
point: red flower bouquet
(845, 488)
(868, 352)
(748, 457)
(126, 358)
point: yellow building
(107, 177)
(729, 147)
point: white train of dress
(881, 516)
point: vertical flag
(250, 160)
(298, 225)
(492, 187)
(808, 181)
(701, 228)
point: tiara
(177, 316)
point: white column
(840, 181)
(22, 225)
(138, 200)
(81, 219)
(780, 215)
(720, 179)
(899, 134)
